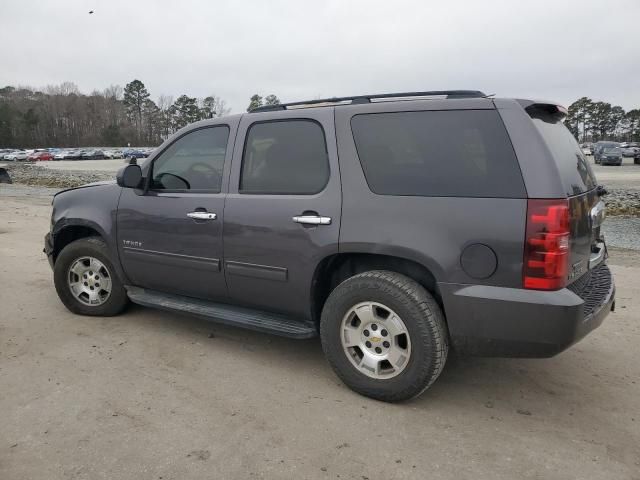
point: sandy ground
(152, 395)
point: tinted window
(193, 162)
(463, 153)
(575, 171)
(285, 157)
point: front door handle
(312, 220)
(202, 215)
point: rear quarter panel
(432, 231)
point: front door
(170, 238)
(282, 214)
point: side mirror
(129, 176)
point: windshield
(610, 149)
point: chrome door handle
(312, 220)
(202, 215)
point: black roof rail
(367, 99)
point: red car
(40, 157)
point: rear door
(170, 237)
(282, 214)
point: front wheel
(384, 335)
(86, 281)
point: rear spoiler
(551, 108)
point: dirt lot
(152, 395)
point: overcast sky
(552, 49)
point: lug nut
(378, 350)
(368, 344)
(385, 344)
(374, 327)
(366, 333)
(384, 332)
(86, 284)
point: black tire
(420, 313)
(92, 247)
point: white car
(62, 154)
(16, 156)
(113, 153)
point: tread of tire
(409, 289)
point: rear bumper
(605, 161)
(510, 322)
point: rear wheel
(86, 281)
(384, 335)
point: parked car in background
(629, 149)
(74, 155)
(62, 155)
(16, 156)
(40, 157)
(113, 154)
(93, 155)
(587, 148)
(611, 156)
(600, 146)
(129, 154)
(6, 151)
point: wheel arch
(71, 230)
(336, 268)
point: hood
(93, 184)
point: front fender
(92, 208)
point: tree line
(62, 116)
(591, 121)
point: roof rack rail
(367, 99)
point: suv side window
(194, 162)
(284, 157)
(451, 153)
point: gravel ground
(623, 183)
(156, 395)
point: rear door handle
(312, 220)
(202, 215)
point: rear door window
(461, 153)
(573, 167)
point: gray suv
(393, 226)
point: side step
(223, 313)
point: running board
(223, 313)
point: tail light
(546, 249)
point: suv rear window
(573, 167)
(461, 153)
